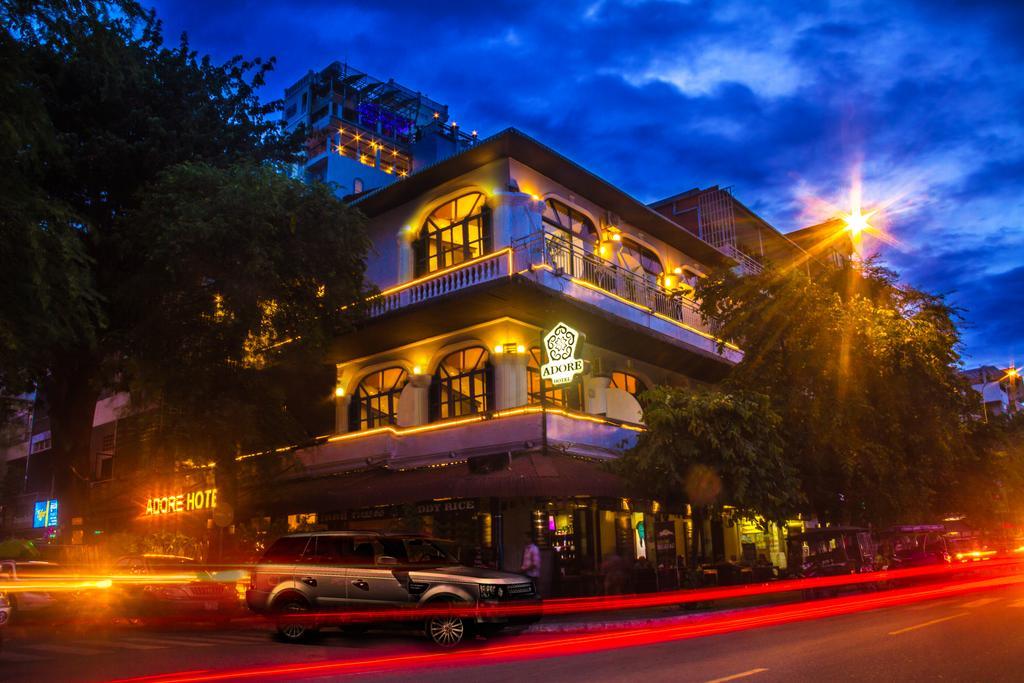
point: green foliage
(238, 285)
(158, 543)
(990, 484)
(865, 376)
(710, 448)
(141, 183)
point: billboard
(45, 514)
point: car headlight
(491, 592)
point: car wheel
(446, 630)
(291, 627)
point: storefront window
(463, 384)
(375, 402)
(455, 232)
(570, 396)
(628, 383)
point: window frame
(639, 386)
(444, 399)
(358, 420)
(447, 254)
(557, 397)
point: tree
(710, 448)
(864, 373)
(991, 481)
(101, 117)
(233, 302)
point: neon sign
(182, 502)
(560, 345)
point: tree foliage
(864, 373)
(710, 448)
(236, 295)
(140, 187)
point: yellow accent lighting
(417, 370)
(339, 391)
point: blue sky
(781, 101)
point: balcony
(553, 252)
(516, 429)
(508, 281)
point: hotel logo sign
(560, 345)
(182, 502)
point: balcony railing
(474, 272)
(572, 261)
(564, 259)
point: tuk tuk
(830, 551)
(914, 545)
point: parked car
(5, 616)
(181, 588)
(25, 604)
(351, 571)
(830, 551)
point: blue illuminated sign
(45, 514)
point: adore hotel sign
(560, 346)
(182, 502)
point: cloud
(779, 100)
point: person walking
(531, 560)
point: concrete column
(341, 404)
(414, 401)
(514, 215)
(406, 256)
(510, 381)
(595, 394)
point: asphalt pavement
(973, 637)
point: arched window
(375, 400)
(631, 384)
(357, 186)
(463, 384)
(569, 235)
(570, 396)
(640, 260)
(456, 231)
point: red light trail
(583, 643)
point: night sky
(781, 101)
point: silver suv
(302, 578)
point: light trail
(583, 643)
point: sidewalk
(648, 616)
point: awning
(529, 475)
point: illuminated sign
(560, 345)
(182, 502)
(44, 514)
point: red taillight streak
(625, 602)
(584, 643)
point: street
(967, 637)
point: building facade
(524, 304)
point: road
(971, 637)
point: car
(5, 616)
(25, 604)
(174, 587)
(345, 572)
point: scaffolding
(716, 220)
(386, 108)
